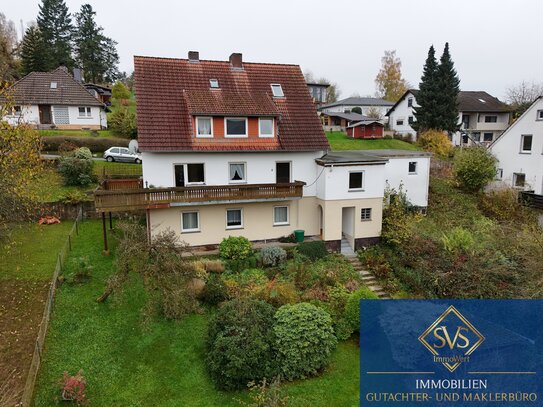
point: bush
(313, 250)
(83, 153)
(77, 171)
(474, 168)
(272, 256)
(279, 292)
(244, 283)
(350, 322)
(238, 266)
(267, 394)
(235, 248)
(458, 240)
(119, 91)
(214, 291)
(503, 205)
(435, 142)
(304, 339)
(213, 266)
(398, 217)
(123, 123)
(240, 344)
(95, 144)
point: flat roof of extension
(367, 156)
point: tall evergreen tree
(95, 53)
(427, 95)
(55, 24)
(449, 86)
(33, 51)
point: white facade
(521, 161)
(73, 117)
(399, 119)
(333, 183)
(366, 109)
(415, 183)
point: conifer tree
(33, 52)
(427, 95)
(449, 86)
(56, 28)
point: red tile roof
(170, 91)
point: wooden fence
(28, 391)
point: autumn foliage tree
(389, 82)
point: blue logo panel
(451, 352)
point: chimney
(236, 60)
(194, 56)
(77, 75)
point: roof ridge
(215, 60)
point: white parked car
(122, 154)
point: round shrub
(83, 153)
(474, 168)
(436, 142)
(235, 248)
(350, 322)
(76, 171)
(240, 344)
(304, 339)
(272, 256)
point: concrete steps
(367, 278)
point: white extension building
(519, 151)
(372, 107)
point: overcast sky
(494, 44)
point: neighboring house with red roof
(54, 100)
(232, 148)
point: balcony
(128, 195)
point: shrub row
(94, 144)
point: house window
(190, 222)
(234, 218)
(519, 179)
(365, 214)
(499, 173)
(410, 102)
(277, 90)
(539, 115)
(356, 181)
(526, 143)
(204, 127)
(491, 119)
(236, 127)
(187, 174)
(488, 136)
(476, 136)
(17, 110)
(399, 122)
(84, 111)
(410, 120)
(237, 172)
(214, 83)
(465, 121)
(412, 167)
(280, 215)
(53, 85)
(265, 127)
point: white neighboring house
(481, 117)
(55, 100)
(519, 151)
(368, 106)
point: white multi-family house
(481, 117)
(54, 100)
(232, 148)
(369, 106)
(519, 151)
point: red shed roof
(170, 91)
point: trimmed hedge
(95, 144)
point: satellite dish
(133, 146)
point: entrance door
(282, 173)
(179, 175)
(45, 114)
(347, 225)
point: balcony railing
(109, 198)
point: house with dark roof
(235, 148)
(339, 121)
(481, 117)
(100, 92)
(54, 100)
(374, 107)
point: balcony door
(179, 175)
(282, 172)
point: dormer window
(277, 90)
(235, 126)
(53, 85)
(204, 127)
(214, 83)
(265, 127)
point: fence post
(70, 243)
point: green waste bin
(299, 235)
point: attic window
(277, 90)
(482, 100)
(214, 83)
(53, 85)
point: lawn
(79, 133)
(340, 141)
(28, 262)
(127, 364)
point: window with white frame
(53, 85)
(526, 143)
(84, 111)
(235, 126)
(365, 214)
(214, 83)
(499, 173)
(204, 127)
(491, 119)
(280, 215)
(277, 90)
(189, 174)
(410, 102)
(356, 180)
(237, 172)
(265, 127)
(488, 137)
(519, 179)
(412, 167)
(190, 222)
(399, 122)
(539, 115)
(234, 218)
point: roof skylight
(277, 90)
(482, 100)
(53, 85)
(214, 83)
